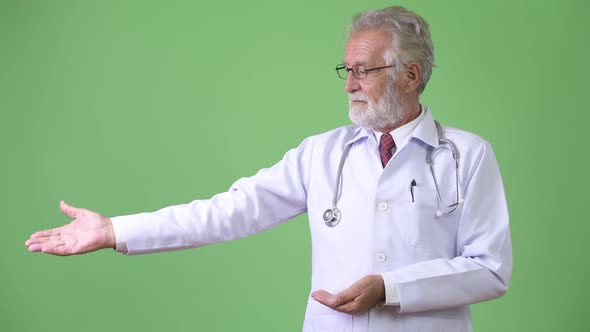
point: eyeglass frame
(352, 69)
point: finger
(60, 250)
(35, 247)
(37, 240)
(331, 300)
(45, 244)
(352, 308)
(323, 297)
(349, 306)
(69, 210)
(344, 297)
(46, 233)
(53, 243)
(321, 294)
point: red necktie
(386, 147)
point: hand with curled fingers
(356, 299)
(88, 232)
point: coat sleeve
(483, 267)
(251, 205)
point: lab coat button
(381, 257)
(383, 206)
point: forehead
(366, 47)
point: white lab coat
(439, 265)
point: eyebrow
(363, 63)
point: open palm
(88, 232)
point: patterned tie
(386, 148)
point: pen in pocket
(412, 185)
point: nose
(352, 84)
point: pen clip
(412, 185)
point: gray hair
(410, 34)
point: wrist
(380, 287)
(110, 239)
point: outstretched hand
(88, 232)
(356, 299)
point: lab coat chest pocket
(419, 224)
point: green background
(129, 106)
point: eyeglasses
(358, 71)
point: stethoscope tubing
(333, 215)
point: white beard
(387, 113)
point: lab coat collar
(424, 131)
(360, 133)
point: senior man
(408, 218)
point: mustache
(357, 96)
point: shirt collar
(401, 133)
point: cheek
(374, 90)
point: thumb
(69, 210)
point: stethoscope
(333, 215)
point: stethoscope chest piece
(332, 217)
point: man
(405, 233)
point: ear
(412, 75)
